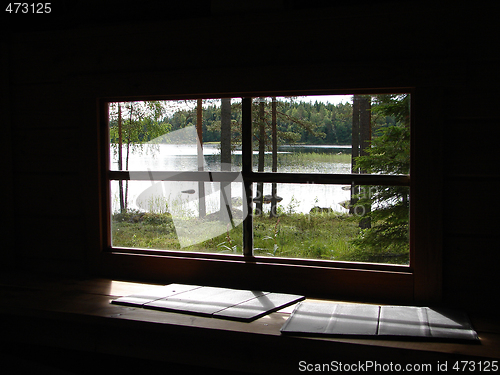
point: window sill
(383, 283)
(77, 315)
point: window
(265, 182)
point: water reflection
(296, 159)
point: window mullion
(247, 154)
(206, 176)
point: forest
(298, 121)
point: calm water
(178, 157)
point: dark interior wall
(51, 80)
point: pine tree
(389, 154)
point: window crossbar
(302, 178)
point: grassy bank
(325, 235)
(299, 158)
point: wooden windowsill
(77, 314)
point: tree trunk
(354, 149)
(127, 155)
(365, 129)
(199, 143)
(273, 212)
(365, 135)
(120, 159)
(262, 150)
(225, 155)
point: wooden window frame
(420, 282)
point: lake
(183, 157)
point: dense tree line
(297, 121)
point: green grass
(311, 236)
(324, 235)
(144, 230)
(299, 158)
(293, 235)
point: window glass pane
(354, 134)
(332, 134)
(302, 198)
(314, 221)
(163, 135)
(178, 215)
